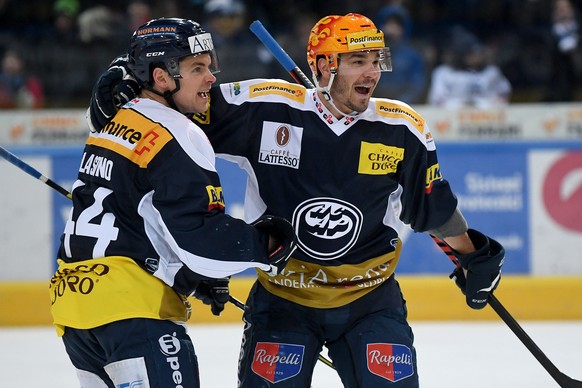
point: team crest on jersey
(379, 159)
(280, 144)
(327, 227)
(392, 362)
(276, 362)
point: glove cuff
(481, 244)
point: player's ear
(161, 78)
(323, 66)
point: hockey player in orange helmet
(334, 35)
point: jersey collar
(338, 126)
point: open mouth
(363, 89)
(203, 94)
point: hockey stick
(27, 168)
(242, 306)
(15, 160)
(271, 44)
(563, 380)
(280, 55)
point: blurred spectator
(17, 88)
(239, 49)
(466, 79)
(64, 29)
(175, 8)
(46, 34)
(139, 12)
(407, 81)
(565, 54)
(59, 53)
(99, 24)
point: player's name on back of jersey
(96, 165)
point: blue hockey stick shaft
(27, 168)
(280, 55)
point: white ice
(451, 355)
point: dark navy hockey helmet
(163, 42)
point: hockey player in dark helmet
(159, 43)
(164, 43)
(148, 227)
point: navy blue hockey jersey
(148, 190)
(346, 185)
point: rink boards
(433, 298)
(528, 195)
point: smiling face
(195, 82)
(358, 74)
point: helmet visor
(376, 60)
(202, 43)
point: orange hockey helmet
(336, 34)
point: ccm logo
(155, 54)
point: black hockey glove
(282, 234)
(115, 87)
(213, 292)
(481, 270)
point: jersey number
(104, 232)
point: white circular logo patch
(327, 227)
(169, 344)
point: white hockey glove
(282, 241)
(114, 88)
(481, 270)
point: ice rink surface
(451, 355)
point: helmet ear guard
(173, 67)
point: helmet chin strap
(326, 91)
(168, 95)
